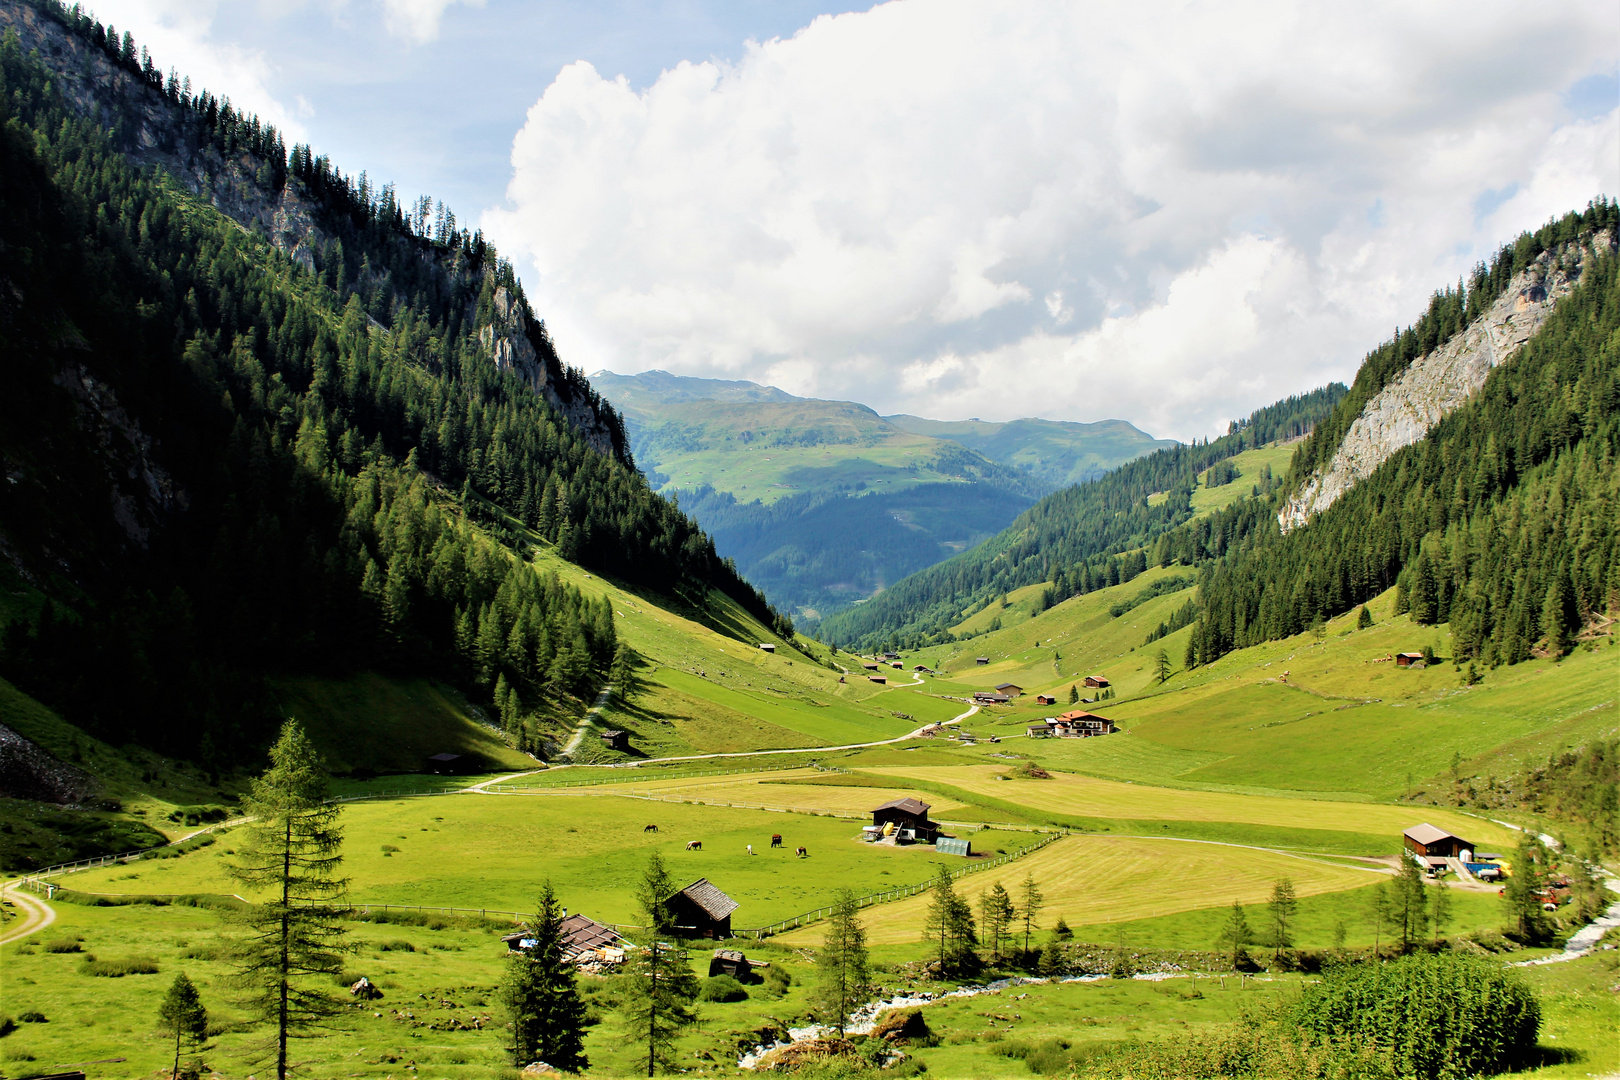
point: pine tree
(292, 848)
(1407, 912)
(1061, 931)
(1029, 908)
(660, 986)
(1558, 616)
(183, 1014)
(1364, 619)
(1523, 891)
(1074, 695)
(548, 1015)
(622, 674)
(1161, 667)
(1281, 907)
(842, 963)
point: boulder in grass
(807, 1052)
(902, 1026)
(365, 990)
(540, 1068)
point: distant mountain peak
(666, 388)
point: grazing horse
(776, 840)
(803, 852)
(694, 845)
(650, 828)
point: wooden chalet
(871, 665)
(981, 660)
(891, 656)
(877, 679)
(616, 740)
(990, 697)
(909, 816)
(1096, 682)
(1428, 842)
(1010, 689)
(584, 940)
(1410, 659)
(702, 910)
(1078, 724)
(1045, 699)
(766, 646)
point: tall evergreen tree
(541, 997)
(1236, 934)
(182, 1014)
(845, 971)
(996, 915)
(291, 849)
(948, 926)
(660, 986)
(1281, 908)
(1030, 902)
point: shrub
(62, 945)
(396, 945)
(722, 988)
(32, 1016)
(7, 1026)
(117, 969)
(777, 980)
(1446, 1015)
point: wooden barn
(584, 940)
(1010, 689)
(1096, 682)
(616, 740)
(907, 815)
(766, 646)
(702, 910)
(1431, 843)
(877, 679)
(981, 660)
(1410, 659)
(990, 697)
(451, 764)
(1045, 699)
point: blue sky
(1169, 214)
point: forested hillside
(1504, 521)
(1077, 538)
(236, 447)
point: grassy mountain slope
(824, 503)
(1057, 453)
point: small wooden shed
(981, 659)
(1045, 699)
(766, 646)
(1410, 659)
(702, 910)
(1095, 682)
(616, 740)
(1010, 689)
(452, 764)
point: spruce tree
(1161, 667)
(182, 1014)
(1364, 619)
(541, 997)
(660, 986)
(1074, 695)
(948, 926)
(1237, 934)
(292, 943)
(843, 966)
(622, 674)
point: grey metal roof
(1427, 834)
(716, 904)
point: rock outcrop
(1437, 384)
(242, 187)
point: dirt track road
(33, 913)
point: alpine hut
(1428, 842)
(702, 910)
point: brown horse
(776, 840)
(803, 852)
(650, 828)
(694, 845)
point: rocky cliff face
(1437, 384)
(242, 188)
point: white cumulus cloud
(1171, 213)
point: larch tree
(844, 968)
(292, 942)
(1031, 900)
(996, 915)
(1161, 667)
(1282, 906)
(660, 986)
(183, 1016)
(948, 926)
(1236, 934)
(541, 996)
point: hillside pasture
(494, 851)
(1084, 796)
(776, 790)
(1094, 880)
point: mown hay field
(1091, 879)
(774, 790)
(1085, 796)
